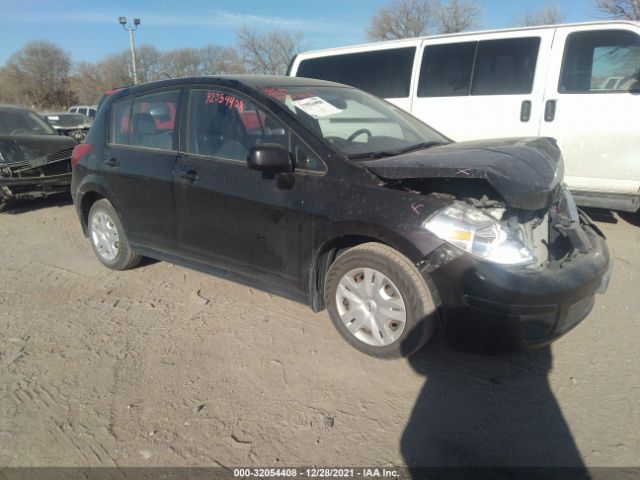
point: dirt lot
(166, 366)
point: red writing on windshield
(225, 99)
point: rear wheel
(108, 238)
(379, 302)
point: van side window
(601, 61)
(384, 73)
(446, 70)
(505, 67)
(226, 125)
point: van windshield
(354, 122)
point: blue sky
(89, 29)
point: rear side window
(446, 70)
(148, 121)
(384, 73)
(227, 125)
(92, 113)
(601, 61)
(505, 67)
(120, 121)
(490, 67)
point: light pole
(136, 22)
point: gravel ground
(164, 366)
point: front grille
(62, 154)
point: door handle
(189, 175)
(112, 162)
(550, 111)
(525, 111)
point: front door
(229, 216)
(593, 105)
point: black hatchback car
(328, 195)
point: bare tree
(457, 16)
(403, 19)
(183, 62)
(38, 75)
(620, 9)
(268, 53)
(413, 18)
(217, 60)
(547, 15)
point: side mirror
(270, 157)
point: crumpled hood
(525, 171)
(32, 148)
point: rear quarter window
(384, 73)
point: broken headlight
(481, 235)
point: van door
(483, 86)
(592, 107)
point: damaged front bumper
(35, 178)
(494, 307)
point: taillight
(80, 151)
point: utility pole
(136, 22)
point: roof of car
(13, 107)
(256, 81)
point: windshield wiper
(372, 155)
(422, 146)
(380, 154)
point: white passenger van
(579, 83)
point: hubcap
(104, 236)
(371, 307)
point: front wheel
(379, 302)
(108, 238)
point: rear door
(593, 107)
(231, 217)
(138, 164)
(483, 86)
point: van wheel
(108, 238)
(379, 302)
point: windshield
(356, 123)
(67, 119)
(23, 122)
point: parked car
(74, 125)
(88, 110)
(577, 83)
(333, 197)
(35, 161)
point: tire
(108, 237)
(394, 284)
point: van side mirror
(270, 157)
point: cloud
(215, 18)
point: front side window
(146, 121)
(601, 61)
(352, 121)
(227, 125)
(384, 73)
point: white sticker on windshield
(316, 107)
(53, 117)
